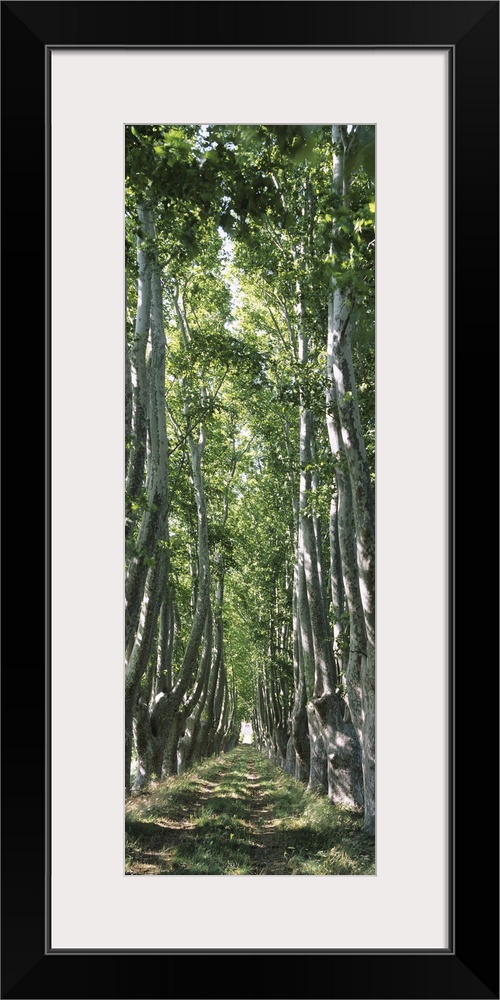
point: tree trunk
(190, 748)
(143, 648)
(138, 378)
(360, 673)
(343, 773)
(318, 776)
(148, 570)
(337, 589)
(175, 718)
(300, 730)
(356, 502)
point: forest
(250, 456)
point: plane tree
(249, 415)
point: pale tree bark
(137, 383)
(129, 406)
(166, 642)
(318, 545)
(204, 728)
(174, 717)
(357, 657)
(354, 450)
(337, 589)
(298, 751)
(353, 481)
(333, 740)
(272, 715)
(176, 705)
(151, 399)
(312, 630)
(279, 700)
(276, 692)
(159, 730)
(269, 717)
(262, 718)
(148, 569)
(138, 663)
(189, 744)
(213, 729)
(302, 642)
(218, 733)
(318, 767)
(358, 571)
(150, 735)
(231, 732)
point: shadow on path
(238, 814)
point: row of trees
(250, 537)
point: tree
(355, 529)
(249, 511)
(288, 258)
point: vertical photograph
(249, 499)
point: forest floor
(239, 814)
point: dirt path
(266, 844)
(237, 814)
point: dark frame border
(470, 31)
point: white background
(94, 94)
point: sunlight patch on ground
(242, 816)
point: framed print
(426, 77)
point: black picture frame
(469, 969)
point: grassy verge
(238, 814)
